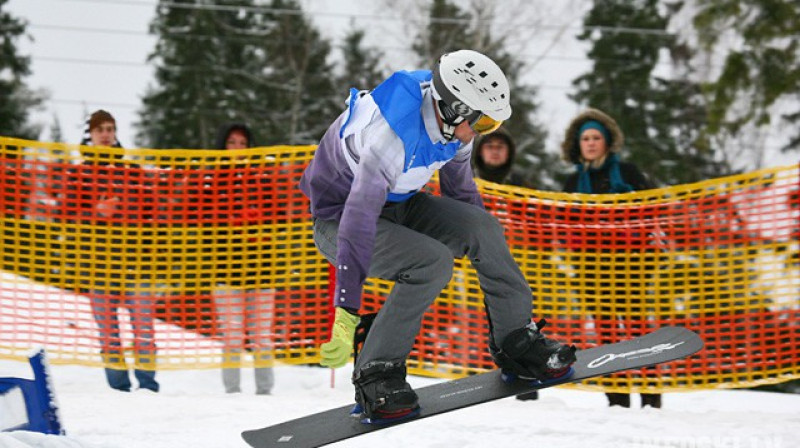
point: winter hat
(596, 125)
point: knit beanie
(594, 124)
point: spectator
(97, 188)
(234, 136)
(101, 130)
(592, 142)
(371, 218)
(493, 158)
(244, 308)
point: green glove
(336, 352)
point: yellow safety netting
(186, 259)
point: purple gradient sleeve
(455, 179)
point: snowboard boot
(527, 354)
(618, 399)
(652, 400)
(382, 391)
(528, 396)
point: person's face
(494, 152)
(104, 135)
(236, 140)
(593, 145)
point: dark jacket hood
(225, 130)
(570, 147)
(498, 174)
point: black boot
(617, 399)
(382, 390)
(528, 396)
(529, 355)
(652, 400)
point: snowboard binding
(382, 393)
(528, 355)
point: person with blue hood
(592, 142)
(372, 218)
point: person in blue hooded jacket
(592, 142)
(371, 218)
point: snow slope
(193, 411)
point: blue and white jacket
(384, 148)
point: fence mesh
(174, 259)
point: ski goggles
(480, 123)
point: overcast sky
(91, 54)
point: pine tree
(209, 63)
(662, 119)
(301, 80)
(444, 32)
(16, 99)
(450, 28)
(758, 74)
(361, 65)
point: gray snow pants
(415, 245)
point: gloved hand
(336, 352)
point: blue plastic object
(39, 396)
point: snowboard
(334, 425)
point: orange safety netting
(199, 256)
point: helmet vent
(468, 77)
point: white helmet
(470, 86)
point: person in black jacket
(244, 307)
(592, 142)
(493, 158)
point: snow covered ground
(193, 411)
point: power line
(536, 57)
(230, 71)
(90, 61)
(371, 17)
(83, 29)
(88, 102)
(85, 61)
(253, 110)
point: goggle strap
(449, 116)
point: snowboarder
(371, 218)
